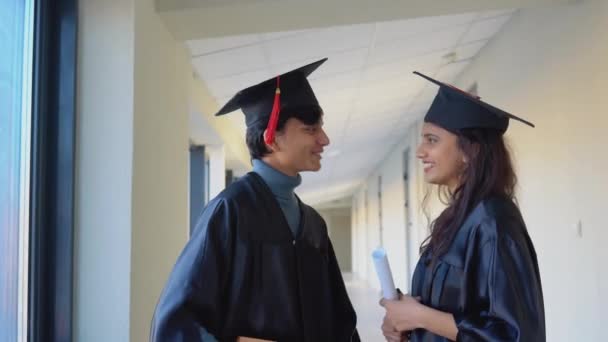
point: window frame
(52, 171)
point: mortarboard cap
(454, 110)
(265, 101)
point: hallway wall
(338, 222)
(550, 66)
(132, 167)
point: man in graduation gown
(260, 263)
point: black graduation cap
(264, 101)
(455, 110)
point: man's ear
(272, 147)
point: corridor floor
(369, 313)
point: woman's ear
(474, 153)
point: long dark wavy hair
(488, 172)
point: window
(199, 183)
(207, 179)
(52, 165)
(37, 120)
(16, 39)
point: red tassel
(274, 115)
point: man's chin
(313, 168)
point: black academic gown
(488, 279)
(243, 274)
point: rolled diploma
(384, 274)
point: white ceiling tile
(360, 154)
(349, 37)
(281, 35)
(293, 49)
(411, 116)
(491, 14)
(336, 111)
(367, 104)
(396, 88)
(206, 46)
(369, 112)
(427, 94)
(318, 43)
(335, 82)
(401, 128)
(228, 86)
(388, 93)
(421, 104)
(231, 62)
(403, 67)
(350, 160)
(279, 69)
(392, 115)
(469, 50)
(346, 61)
(333, 121)
(449, 72)
(417, 46)
(401, 29)
(360, 138)
(336, 94)
(333, 133)
(379, 124)
(485, 29)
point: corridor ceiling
(366, 88)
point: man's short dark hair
(255, 134)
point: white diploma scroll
(384, 274)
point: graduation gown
(243, 274)
(488, 279)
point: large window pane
(15, 74)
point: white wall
(160, 167)
(550, 65)
(338, 222)
(104, 158)
(217, 169)
(132, 167)
(359, 235)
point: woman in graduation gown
(477, 278)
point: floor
(369, 313)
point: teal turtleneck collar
(282, 187)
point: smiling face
(298, 146)
(442, 159)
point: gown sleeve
(506, 287)
(190, 307)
